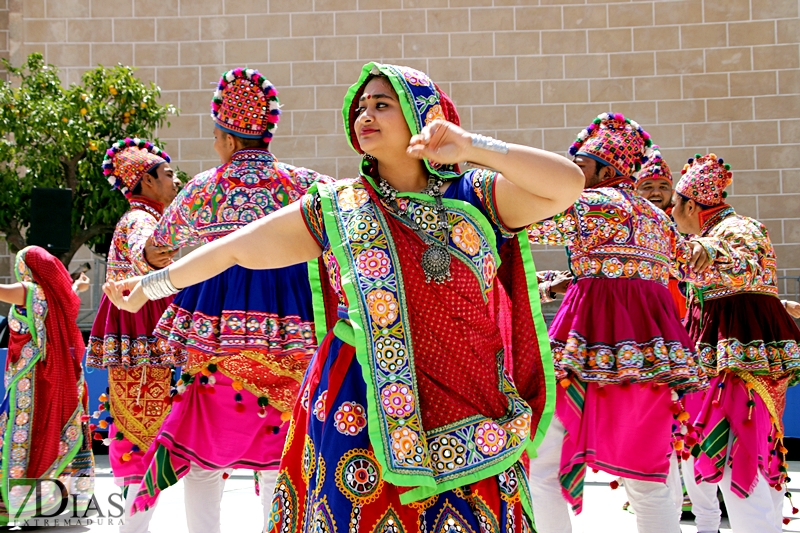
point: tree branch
(14, 238)
(82, 237)
(71, 170)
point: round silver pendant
(436, 264)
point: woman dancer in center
(414, 412)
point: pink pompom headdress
(246, 104)
(128, 160)
(614, 140)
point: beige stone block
(180, 78)
(161, 8)
(788, 30)
(332, 146)
(525, 137)
(565, 91)
(615, 89)
(788, 81)
(248, 7)
(314, 122)
(584, 17)
(314, 74)
(658, 88)
(108, 55)
(721, 109)
(564, 42)
(729, 10)
(493, 68)
(252, 50)
(290, 6)
(678, 11)
(616, 40)
(752, 83)
(68, 55)
(110, 8)
(586, 66)
(45, 31)
(778, 107)
(705, 86)
(89, 30)
(467, 3)
(312, 24)
(778, 205)
(549, 258)
(33, 9)
(377, 5)
(358, 23)
(287, 147)
(790, 182)
(744, 205)
(707, 134)
(57, 9)
(379, 46)
(182, 127)
(202, 53)
(494, 117)
(742, 158)
(156, 55)
(516, 43)
(347, 72)
(774, 231)
(335, 5)
(405, 21)
(471, 44)
(330, 48)
(788, 254)
(751, 33)
(299, 97)
(633, 64)
(429, 45)
(678, 111)
(776, 57)
(679, 62)
(728, 59)
(135, 30)
(448, 20)
(538, 18)
(196, 8)
(790, 132)
(558, 140)
(145, 75)
(222, 28)
(580, 115)
(774, 9)
(630, 15)
(180, 29)
(670, 135)
(518, 92)
(703, 36)
(268, 26)
(749, 133)
(656, 38)
(429, 4)
(541, 116)
(450, 69)
(194, 149)
(196, 102)
(295, 49)
(472, 93)
(492, 19)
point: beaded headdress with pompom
(246, 104)
(704, 179)
(655, 168)
(128, 160)
(614, 140)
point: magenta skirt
(615, 331)
(119, 338)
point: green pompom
(727, 166)
(597, 121)
(212, 368)
(697, 156)
(263, 401)
(724, 194)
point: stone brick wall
(697, 74)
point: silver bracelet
(488, 143)
(157, 285)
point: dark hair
(153, 172)
(248, 143)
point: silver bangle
(488, 143)
(157, 285)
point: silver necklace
(436, 257)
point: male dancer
(248, 334)
(620, 350)
(138, 365)
(747, 343)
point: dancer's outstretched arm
(278, 240)
(13, 294)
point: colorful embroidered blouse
(615, 233)
(220, 200)
(126, 256)
(742, 253)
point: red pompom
(614, 485)
(786, 521)
(240, 408)
(177, 398)
(225, 475)
(795, 510)
(97, 436)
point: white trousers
(203, 497)
(266, 483)
(675, 485)
(653, 502)
(138, 523)
(705, 505)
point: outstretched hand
(441, 142)
(699, 260)
(127, 294)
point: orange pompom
(565, 383)
(126, 457)
(103, 424)
(104, 397)
(286, 416)
(678, 445)
(237, 385)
